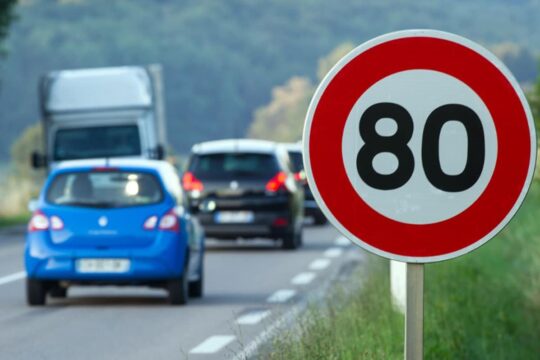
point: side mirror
(160, 152)
(32, 205)
(38, 160)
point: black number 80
(397, 144)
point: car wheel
(178, 290)
(36, 292)
(290, 241)
(196, 287)
(58, 291)
(319, 220)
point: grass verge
(484, 305)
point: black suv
(311, 208)
(243, 188)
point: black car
(311, 208)
(243, 188)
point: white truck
(102, 113)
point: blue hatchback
(113, 222)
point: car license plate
(102, 266)
(238, 217)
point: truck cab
(101, 113)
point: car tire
(196, 288)
(290, 241)
(58, 291)
(320, 220)
(36, 292)
(178, 290)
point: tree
(283, 118)
(6, 17)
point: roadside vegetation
(484, 305)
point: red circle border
(411, 53)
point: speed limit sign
(419, 146)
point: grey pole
(414, 313)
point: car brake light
(104, 169)
(150, 223)
(38, 222)
(300, 177)
(191, 183)
(56, 223)
(169, 221)
(277, 182)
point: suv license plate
(239, 217)
(99, 266)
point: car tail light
(280, 222)
(56, 223)
(169, 221)
(150, 223)
(300, 177)
(38, 222)
(277, 182)
(191, 183)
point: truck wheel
(178, 290)
(196, 287)
(36, 292)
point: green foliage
(222, 58)
(6, 17)
(283, 118)
(357, 325)
(30, 140)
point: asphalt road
(250, 287)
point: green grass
(6, 221)
(484, 305)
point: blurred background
(233, 68)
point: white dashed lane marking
(342, 241)
(13, 277)
(253, 318)
(333, 252)
(319, 264)
(213, 344)
(303, 278)
(281, 296)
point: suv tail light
(38, 222)
(169, 221)
(300, 177)
(277, 182)
(191, 183)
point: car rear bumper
(264, 224)
(162, 260)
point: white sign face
(419, 92)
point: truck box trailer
(102, 113)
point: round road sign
(419, 145)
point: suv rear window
(104, 189)
(234, 166)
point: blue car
(113, 222)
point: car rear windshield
(104, 189)
(234, 166)
(296, 160)
(97, 142)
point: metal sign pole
(414, 313)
